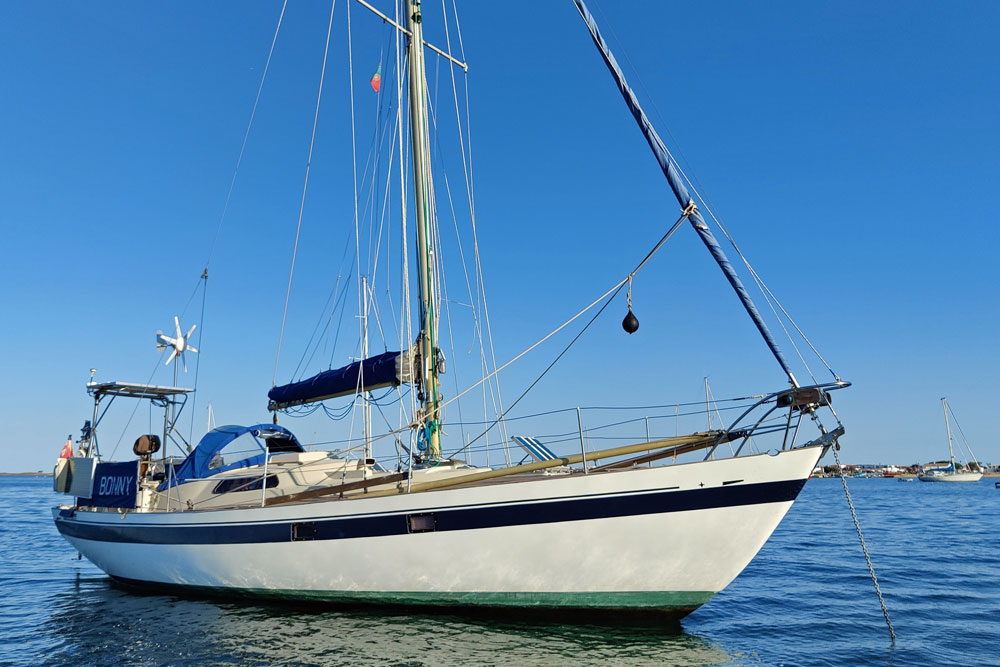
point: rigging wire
(466, 151)
(402, 130)
(129, 422)
(964, 439)
(335, 299)
(610, 294)
(612, 291)
(709, 208)
(305, 185)
(246, 135)
(477, 326)
(197, 361)
(382, 123)
(203, 279)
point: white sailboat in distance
(952, 473)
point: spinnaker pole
(427, 340)
(672, 173)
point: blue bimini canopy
(385, 370)
(198, 463)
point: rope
(864, 547)
(612, 291)
(305, 185)
(708, 208)
(547, 369)
(610, 294)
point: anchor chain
(864, 547)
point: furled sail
(680, 191)
(385, 370)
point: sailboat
(659, 525)
(951, 473)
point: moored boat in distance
(659, 524)
(951, 472)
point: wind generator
(180, 345)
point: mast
(708, 406)
(427, 339)
(947, 426)
(367, 426)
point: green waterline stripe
(687, 600)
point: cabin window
(303, 531)
(278, 444)
(422, 523)
(244, 484)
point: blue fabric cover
(377, 372)
(195, 466)
(115, 485)
(670, 170)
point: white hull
(665, 538)
(952, 477)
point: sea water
(806, 599)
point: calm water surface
(805, 600)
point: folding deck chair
(536, 450)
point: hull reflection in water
(101, 624)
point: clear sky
(851, 147)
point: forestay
(672, 174)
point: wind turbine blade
(184, 361)
(190, 349)
(177, 323)
(167, 340)
(191, 330)
(173, 353)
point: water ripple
(807, 599)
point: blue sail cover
(196, 465)
(680, 191)
(365, 375)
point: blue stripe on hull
(449, 519)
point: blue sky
(850, 147)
